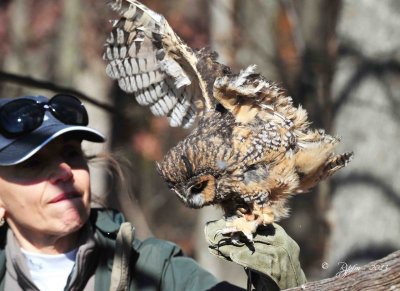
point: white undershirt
(50, 272)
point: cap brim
(25, 147)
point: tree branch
(383, 274)
(30, 82)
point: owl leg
(245, 222)
(242, 224)
(267, 214)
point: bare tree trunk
(365, 212)
(69, 51)
(222, 29)
(18, 26)
(316, 26)
(256, 42)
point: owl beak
(194, 200)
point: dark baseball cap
(17, 149)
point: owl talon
(235, 240)
(227, 230)
(241, 228)
(236, 235)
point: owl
(251, 148)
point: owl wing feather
(149, 60)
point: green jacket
(154, 264)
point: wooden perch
(383, 274)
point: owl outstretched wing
(149, 60)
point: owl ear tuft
(188, 165)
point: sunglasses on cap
(21, 116)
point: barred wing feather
(149, 60)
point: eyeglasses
(25, 115)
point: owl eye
(198, 188)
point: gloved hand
(273, 254)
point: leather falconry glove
(272, 258)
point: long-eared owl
(251, 148)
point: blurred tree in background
(339, 59)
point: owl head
(194, 167)
(197, 192)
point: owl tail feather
(330, 167)
(335, 164)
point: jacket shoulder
(156, 264)
(149, 257)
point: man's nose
(61, 173)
